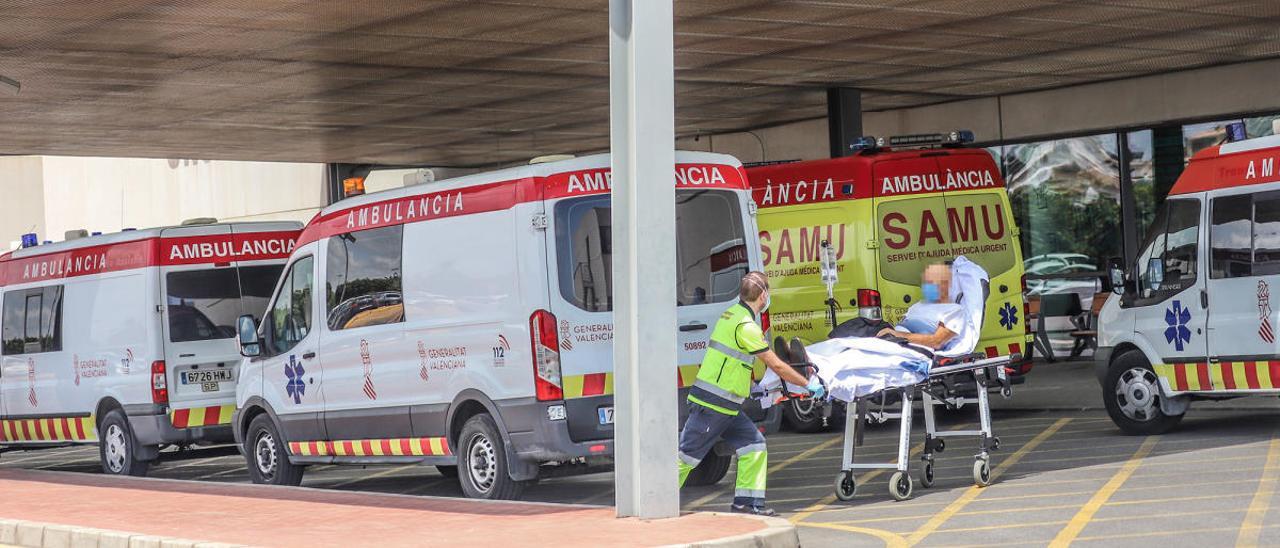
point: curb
(34, 534)
(777, 533)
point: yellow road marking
(862, 480)
(973, 492)
(891, 540)
(1251, 529)
(1167, 533)
(1082, 517)
(781, 465)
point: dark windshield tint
(204, 304)
(711, 252)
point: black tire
(1131, 393)
(266, 455)
(117, 448)
(483, 471)
(804, 416)
(710, 471)
(448, 471)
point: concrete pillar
(642, 142)
(844, 119)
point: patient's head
(936, 276)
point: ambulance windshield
(711, 252)
(204, 304)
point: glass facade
(1080, 201)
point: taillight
(159, 384)
(764, 323)
(546, 356)
(869, 304)
(1026, 308)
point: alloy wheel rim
(117, 451)
(1136, 394)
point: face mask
(930, 292)
(767, 300)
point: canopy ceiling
(484, 82)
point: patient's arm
(935, 340)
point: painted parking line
(891, 540)
(1082, 517)
(972, 493)
(1251, 529)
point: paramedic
(723, 383)
(934, 321)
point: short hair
(754, 283)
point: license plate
(204, 377)
(606, 415)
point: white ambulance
(128, 340)
(467, 324)
(1193, 317)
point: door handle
(186, 355)
(1204, 299)
(309, 355)
(695, 326)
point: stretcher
(951, 383)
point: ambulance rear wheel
(268, 459)
(483, 470)
(1131, 392)
(710, 471)
(118, 448)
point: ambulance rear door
(911, 228)
(979, 225)
(210, 275)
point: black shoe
(753, 510)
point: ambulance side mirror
(1115, 275)
(250, 346)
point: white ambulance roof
(593, 161)
(1258, 143)
(144, 234)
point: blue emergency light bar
(866, 142)
(30, 240)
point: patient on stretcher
(947, 322)
(936, 321)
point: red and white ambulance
(128, 340)
(1193, 317)
(468, 324)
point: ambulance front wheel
(1131, 392)
(268, 459)
(846, 486)
(483, 470)
(118, 448)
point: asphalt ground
(1064, 474)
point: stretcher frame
(944, 385)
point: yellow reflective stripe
(90, 428)
(572, 386)
(687, 375)
(1215, 375)
(715, 408)
(1265, 381)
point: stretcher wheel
(981, 473)
(995, 444)
(900, 486)
(1006, 392)
(846, 486)
(939, 446)
(926, 475)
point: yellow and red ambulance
(888, 211)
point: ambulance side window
(1174, 239)
(363, 285)
(1266, 235)
(291, 313)
(32, 320)
(1229, 237)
